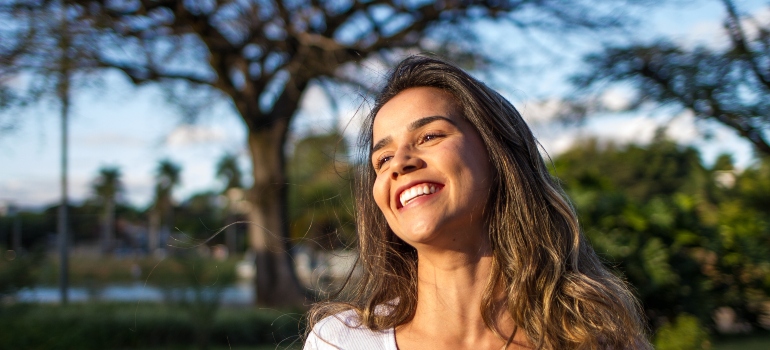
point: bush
(122, 326)
(685, 333)
(16, 272)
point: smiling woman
(428, 145)
(465, 240)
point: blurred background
(177, 174)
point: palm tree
(107, 188)
(161, 213)
(229, 171)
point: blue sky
(133, 128)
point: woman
(466, 241)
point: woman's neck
(452, 282)
(450, 288)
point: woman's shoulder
(345, 331)
(343, 320)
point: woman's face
(433, 173)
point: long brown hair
(556, 288)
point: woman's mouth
(417, 191)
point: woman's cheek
(381, 194)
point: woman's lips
(416, 191)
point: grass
(140, 326)
(758, 341)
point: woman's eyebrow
(427, 120)
(381, 143)
(412, 127)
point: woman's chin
(430, 240)
(419, 234)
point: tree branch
(749, 132)
(144, 74)
(740, 42)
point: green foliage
(35, 226)
(740, 264)
(756, 341)
(38, 226)
(167, 177)
(17, 272)
(200, 217)
(109, 184)
(138, 326)
(684, 333)
(320, 197)
(192, 314)
(685, 241)
(229, 171)
(199, 294)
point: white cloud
(712, 33)
(315, 99)
(185, 135)
(760, 18)
(557, 144)
(138, 188)
(543, 111)
(709, 33)
(110, 139)
(12, 81)
(36, 191)
(683, 128)
(557, 138)
(616, 98)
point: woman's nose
(405, 161)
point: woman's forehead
(413, 104)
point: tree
(162, 210)
(729, 85)
(107, 187)
(229, 171)
(320, 195)
(52, 47)
(263, 54)
(196, 217)
(688, 244)
(740, 267)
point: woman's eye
(431, 137)
(381, 161)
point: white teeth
(415, 191)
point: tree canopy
(261, 55)
(687, 239)
(730, 85)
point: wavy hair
(555, 287)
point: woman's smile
(433, 172)
(411, 193)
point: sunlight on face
(433, 172)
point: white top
(344, 332)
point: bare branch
(740, 43)
(145, 74)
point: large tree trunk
(276, 283)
